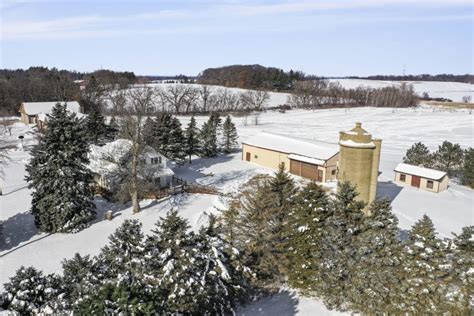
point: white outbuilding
(424, 178)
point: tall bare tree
(255, 99)
(140, 103)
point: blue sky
(322, 37)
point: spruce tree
(338, 250)
(62, 197)
(162, 133)
(305, 229)
(418, 154)
(96, 129)
(229, 134)
(30, 292)
(177, 142)
(192, 138)
(449, 157)
(467, 177)
(170, 257)
(463, 278)
(422, 289)
(374, 282)
(208, 139)
(148, 132)
(80, 278)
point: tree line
(319, 93)
(274, 234)
(41, 84)
(250, 77)
(449, 157)
(423, 77)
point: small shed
(36, 112)
(424, 178)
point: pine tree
(467, 177)
(463, 278)
(124, 253)
(148, 132)
(283, 186)
(208, 140)
(177, 142)
(30, 292)
(62, 198)
(418, 154)
(223, 286)
(374, 282)
(337, 247)
(96, 129)
(80, 278)
(422, 289)
(170, 257)
(449, 157)
(162, 133)
(192, 138)
(229, 134)
(305, 230)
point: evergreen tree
(170, 265)
(208, 138)
(177, 142)
(463, 278)
(418, 154)
(96, 129)
(192, 139)
(422, 289)
(449, 157)
(339, 253)
(149, 133)
(80, 278)
(374, 282)
(223, 286)
(467, 177)
(305, 230)
(62, 197)
(162, 133)
(30, 292)
(283, 186)
(229, 135)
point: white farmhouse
(110, 162)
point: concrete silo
(359, 158)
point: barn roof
(420, 171)
(34, 108)
(292, 145)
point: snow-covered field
(436, 89)
(399, 129)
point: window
(429, 184)
(255, 156)
(142, 162)
(154, 160)
(403, 178)
(159, 159)
(333, 173)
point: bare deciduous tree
(255, 99)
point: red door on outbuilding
(415, 181)
(247, 156)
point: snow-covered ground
(436, 89)
(399, 129)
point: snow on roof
(313, 161)
(420, 171)
(351, 143)
(292, 145)
(33, 108)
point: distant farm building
(36, 112)
(310, 159)
(111, 163)
(359, 161)
(420, 177)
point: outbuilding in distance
(424, 178)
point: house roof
(105, 159)
(420, 171)
(34, 108)
(292, 145)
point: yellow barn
(315, 160)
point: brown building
(310, 159)
(36, 112)
(420, 177)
